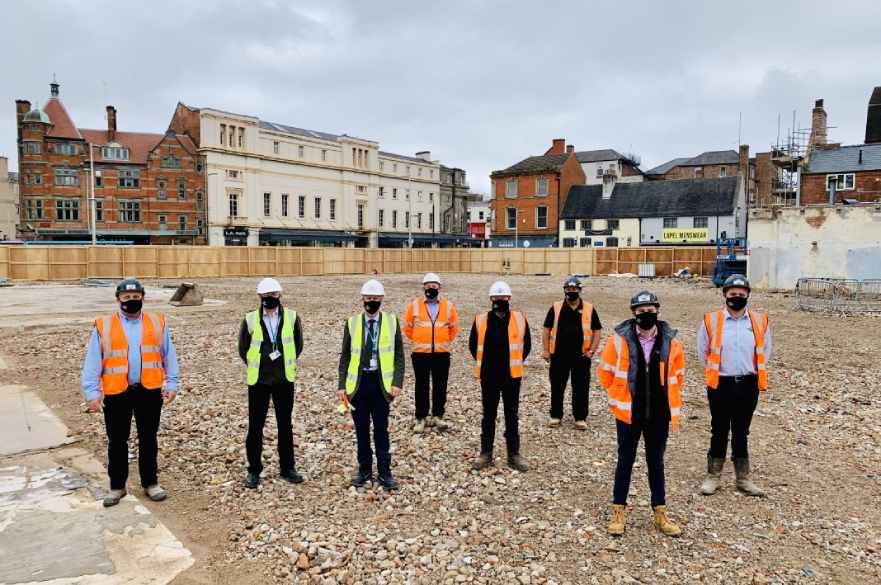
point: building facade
(274, 184)
(149, 188)
(710, 165)
(453, 201)
(527, 197)
(596, 163)
(480, 218)
(9, 214)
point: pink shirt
(647, 341)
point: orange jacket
(516, 336)
(427, 336)
(714, 322)
(586, 314)
(114, 353)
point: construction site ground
(815, 446)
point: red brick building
(149, 188)
(531, 194)
(842, 174)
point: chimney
(558, 146)
(111, 123)
(873, 118)
(609, 180)
(743, 160)
(818, 125)
(424, 155)
(22, 107)
(570, 149)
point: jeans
(371, 405)
(433, 367)
(655, 436)
(146, 406)
(562, 368)
(732, 405)
(282, 396)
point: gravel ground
(816, 448)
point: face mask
(572, 295)
(736, 303)
(132, 307)
(500, 306)
(646, 321)
(431, 293)
(372, 306)
(271, 302)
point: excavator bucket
(187, 295)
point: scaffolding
(788, 155)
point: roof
(298, 131)
(62, 125)
(693, 197)
(845, 159)
(414, 159)
(589, 156)
(139, 143)
(873, 117)
(711, 157)
(554, 162)
(37, 115)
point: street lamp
(409, 210)
(92, 210)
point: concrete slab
(26, 423)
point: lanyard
(373, 333)
(272, 326)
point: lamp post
(409, 211)
(92, 210)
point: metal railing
(838, 295)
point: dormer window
(114, 151)
(170, 162)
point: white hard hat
(268, 285)
(431, 277)
(500, 288)
(373, 288)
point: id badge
(275, 355)
(373, 364)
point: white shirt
(738, 345)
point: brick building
(149, 188)
(527, 197)
(709, 165)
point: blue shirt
(271, 322)
(132, 328)
(433, 306)
(738, 345)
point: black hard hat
(129, 285)
(572, 281)
(736, 281)
(644, 297)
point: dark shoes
(113, 497)
(252, 481)
(517, 463)
(291, 476)
(361, 478)
(387, 481)
(485, 460)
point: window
(699, 172)
(31, 148)
(611, 242)
(182, 222)
(360, 215)
(480, 215)
(114, 153)
(394, 218)
(431, 195)
(324, 155)
(160, 188)
(199, 167)
(381, 217)
(407, 194)
(284, 204)
(129, 211)
(222, 134)
(394, 193)
(395, 167)
(267, 204)
(570, 225)
(381, 192)
(232, 136)
(431, 220)
(408, 170)
(162, 221)
(170, 162)
(35, 208)
(301, 151)
(569, 242)
(541, 217)
(700, 222)
(232, 174)
(585, 224)
(181, 188)
(332, 209)
(432, 173)
(37, 179)
(381, 166)
(723, 172)
(200, 199)
(841, 182)
(129, 178)
(200, 226)
(99, 179)
(419, 221)
(541, 186)
(584, 243)
(670, 222)
(275, 146)
(511, 217)
(419, 171)
(241, 137)
(99, 210)
(65, 148)
(233, 204)
(419, 196)
(511, 188)
(362, 189)
(318, 208)
(301, 206)
(407, 219)
(67, 177)
(613, 224)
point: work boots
(663, 524)
(714, 473)
(744, 483)
(616, 524)
(517, 463)
(419, 427)
(485, 460)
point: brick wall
(527, 202)
(867, 187)
(709, 172)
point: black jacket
(271, 371)
(496, 353)
(346, 352)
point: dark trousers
(282, 396)
(732, 406)
(564, 367)
(655, 438)
(146, 406)
(508, 390)
(433, 367)
(371, 404)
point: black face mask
(372, 306)
(271, 302)
(646, 321)
(572, 295)
(431, 293)
(132, 307)
(736, 303)
(500, 306)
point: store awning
(285, 235)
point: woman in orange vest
(642, 370)
(500, 343)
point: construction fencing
(67, 263)
(838, 295)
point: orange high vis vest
(114, 352)
(516, 335)
(427, 336)
(586, 314)
(715, 323)
(617, 375)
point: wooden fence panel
(68, 263)
(580, 261)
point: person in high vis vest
(734, 345)
(570, 338)
(500, 343)
(130, 370)
(270, 343)
(642, 369)
(431, 324)
(371, 373)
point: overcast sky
(479, 84)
